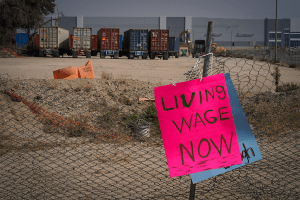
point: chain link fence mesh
(94, 139)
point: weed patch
(287, 87)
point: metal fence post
(205, 73)
(192, 191)
(208, 47)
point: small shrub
(277, 61)
(276, 76)
(77, 129)
(77, 89)
(151, 116)
(88, 88)
(106, 75)
(287, 87)
(292, 65)
(66, 90)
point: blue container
(121, 41)
(173, 44)
(21, 40)
(136, 40)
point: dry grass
(107, 76)
(272, 114)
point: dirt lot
(155, 71)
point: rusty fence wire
(95, 139)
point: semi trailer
(108, 42)
(82, 39)
(159, 43)
(53, 41)
(135, 43)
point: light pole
(231, 40)
(231, 35)
(276, 35)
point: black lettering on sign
(192, 156)
(209, 148)
(211, 94)
(222, 138)
(200, 97)
(222, 91)
(197, 115)
(163, 104)
(214, 118)
(176, 101)
(220, 114)
(185, 105)
(183, 120)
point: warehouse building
(227, 32)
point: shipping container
(174, 47)
(136, 43)
(108, 42)
(36, 41)
(94, 45)
(159, 43)
(199, 48)
(53, 41)
(21, 40)
(82, 40)
(121, 39)
(121, 43)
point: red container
(94, 42)
(71, 41)
(159, 40)
(108, 39)
(36, 41)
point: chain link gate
(78, 139)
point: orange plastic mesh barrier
(11, 51)
(86, 71)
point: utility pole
(276, 35)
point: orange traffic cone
(86, 71)
(66, 73)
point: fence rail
(83, 139)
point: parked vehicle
(136, 43)
(159, 43)
(174, 47)
(82, 39)
(199, 48)
(53, 41)
(108, 42)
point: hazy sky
(241, 9)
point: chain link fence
(289, 57)
(95, 139)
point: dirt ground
(155, 71)
(40, 161)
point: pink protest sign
(197, 126)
